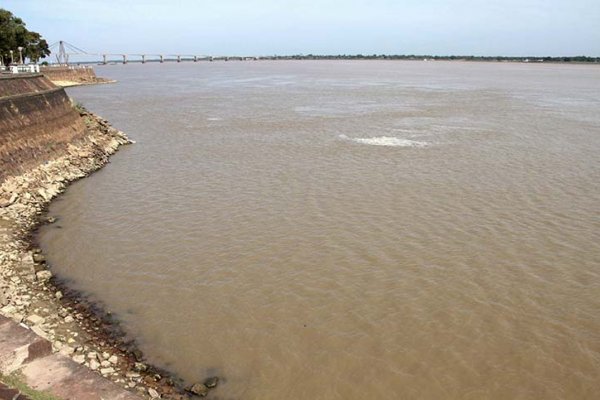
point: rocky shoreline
(32, 296)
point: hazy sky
(264, 27)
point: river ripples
(349, 230)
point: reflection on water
(349, 230)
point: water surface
(349, 230)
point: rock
(137, 354)
(211, 382)
(68, 319)
(58, 295)
(67, 350)
(17, 317)
(3, 299)
(140, 367)
(39, 258)
(9, 309)
(105, 355)
(34, 319)
(153, 394)
(131, 385)
(39, 267)
(92, 355)
(199, 389)
(113, 359)
(45, 195)
(58, 344)
(43, 275)
(105, 364)
(94, 365)
(79, 358)
(107, 371)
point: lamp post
(20, 54)
(11, 56)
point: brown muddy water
(349, 230)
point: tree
(14, 34)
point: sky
(267, 27)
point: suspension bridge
(65, 52)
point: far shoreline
(571, 60)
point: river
(348, 229)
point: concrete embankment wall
(70, 74)
(37, 122)
(22, 84)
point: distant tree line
(533, 59)
(14, 35)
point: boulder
(107, 371)
(43, 275)
(140, 367)
(94, 365)
(79, 358)
(34, 319)
(211, 382)
(38, 258)
(67, 350)
(199, 389)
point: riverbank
(98, 81)
(66, 76)
(46, 142)
(31, 296)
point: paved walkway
(31, 356)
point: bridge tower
(62, 57)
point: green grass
(15, 381)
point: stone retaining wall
(11, 85)
(37, 122)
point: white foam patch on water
(214, 119)
(390, 141)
